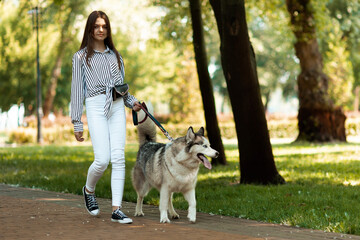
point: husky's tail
(147, 129)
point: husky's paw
(139, 214)
(174, 216)
(164, 220)
(192, 218)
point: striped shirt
(102, 75)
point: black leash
(157, 123)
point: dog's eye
(204, 146)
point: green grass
(322, 190)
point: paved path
(36, 214)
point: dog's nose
(216, 154)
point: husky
(171, 167)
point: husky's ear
(190, 135)
(201, 131)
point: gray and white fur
(170, 167)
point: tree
(66, 12)
(206, 88)
(17, 56)
(276, 66)
(275, 58)
(238, 60)
(17, 71)
(318, 119)
(337, 66)
(175, 25)
(347, 13)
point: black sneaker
(119, 216)
(91, 203)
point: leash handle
(135, 118)
(157, 123)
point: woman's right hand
(137, 106)
(78, 136)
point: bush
(278, 128)
(23, 135)
(54, 135)
(352, 126)
(283, 128)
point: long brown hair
(88, 38)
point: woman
(97, 68)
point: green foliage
(16, 73)
(18, 54)
(162, 70)
(322, 190)
(276, 62)
(176, 23)
(347, 13)
(63, 89)
(338, 67)
(336, 51)
(158, 74)
(176, 26)
(154, 69)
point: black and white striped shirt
(102, 75)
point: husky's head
(197, 144)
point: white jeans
(108, 140)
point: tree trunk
(356, 100)
(206, 88)
(65, 23)
(238, 60)
(318, 119)
(51, 91)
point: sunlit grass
(322, 190)
(319, 164)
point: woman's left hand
(137, 106)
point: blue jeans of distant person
(108, 140)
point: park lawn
(322, 190)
